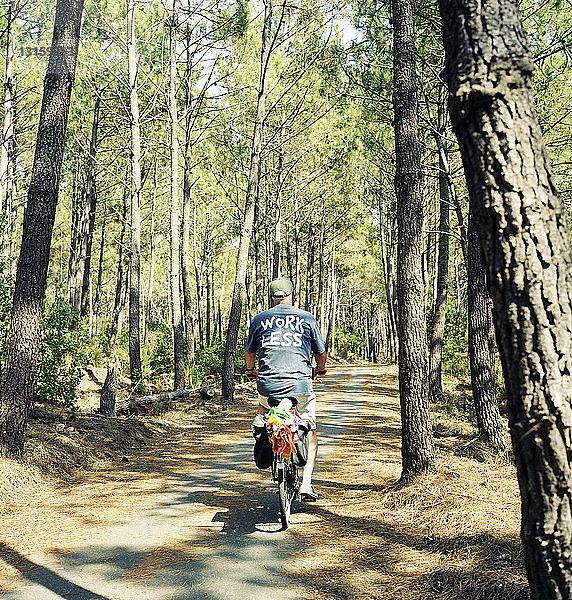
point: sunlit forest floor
(451, 535)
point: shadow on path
(45, 577)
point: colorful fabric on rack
(282, 424)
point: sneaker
(308, 494)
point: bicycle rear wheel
(287, 490)
(285, 498)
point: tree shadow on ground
(488, 561)
(45, 577)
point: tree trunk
(482, 347)
(417, 440)
(90, 208)
(440, 311)
(177, 323)
(8, 126)
(109, 389)
(186, 229)
(135, 246)
(24, 336)
(277, 236)
(152, 245)
(220, 298)
(117, 304)
(522, 228)
(387, 260)
(208, 296)
(246, 230)
(97, 298)
(309, 271)
(198, 284)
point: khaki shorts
(305, 409)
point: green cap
(280, 288)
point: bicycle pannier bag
(262, 448)
(301, 456)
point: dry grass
(451, 535)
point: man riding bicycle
(285, 338)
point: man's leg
(312, 453)
(307, 413)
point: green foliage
(349, 343)
(65, 347)
(161, 358)
(209, 360)
(455, 356)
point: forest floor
(172, 507)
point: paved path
(213, 536)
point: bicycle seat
(273, 402)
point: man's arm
(321, 361)
(250, 359)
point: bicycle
(285, 470)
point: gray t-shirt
(284, 338)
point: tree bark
(246, 229)
(178, 340)
(417, 440)
(482, 347)
(440, 310)
(135, 246)
(109, 389)
(522, 228)
(24, 336)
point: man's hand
(318, 372)
(251, 374)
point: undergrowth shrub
(455, 343)
(65, 348)
(161, 357)
(209, 360)
(349, 343)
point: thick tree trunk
(417, 440)
(135, 246)
(440, 310)
(482, 347)
(246, 230)
(177, 323)
(24, 336)
(521, 222)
